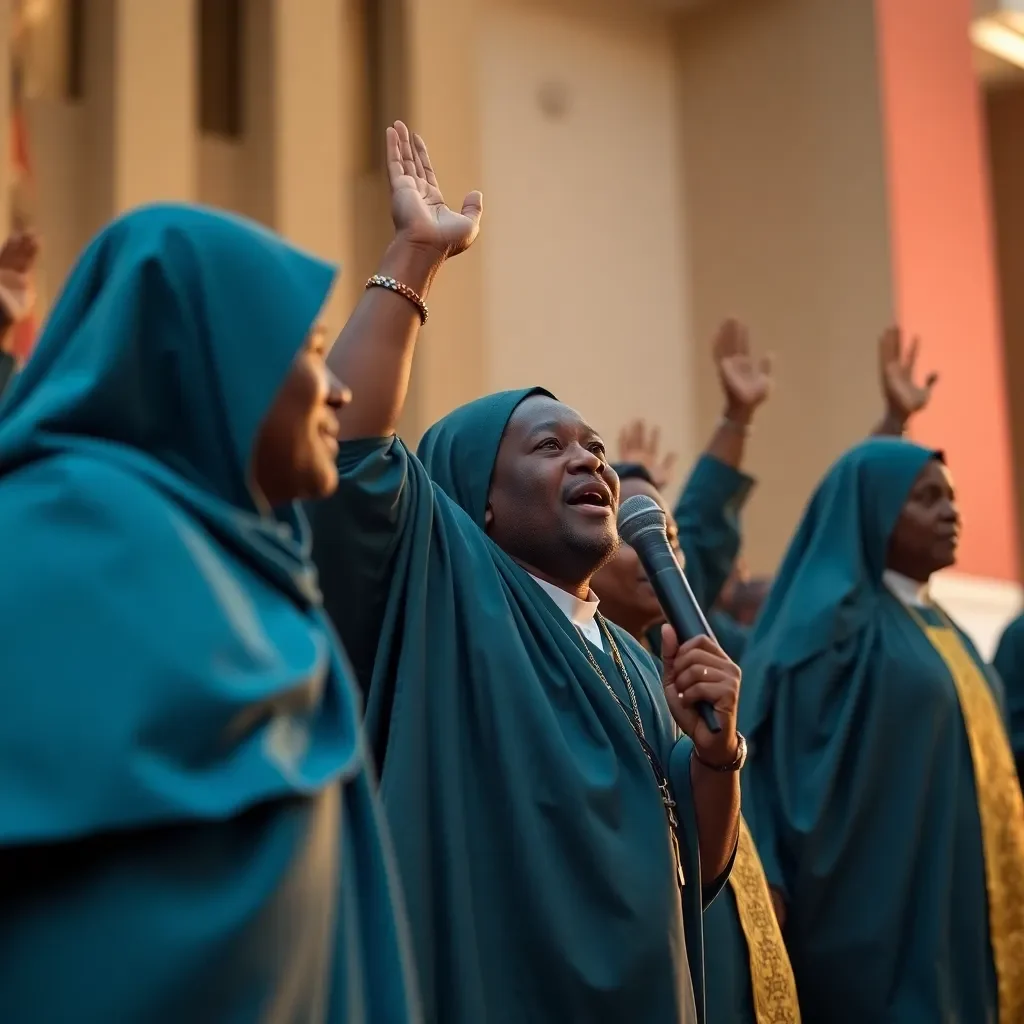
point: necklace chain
(636, 722)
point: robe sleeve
(731, 634)
(799, 784)
(708, 517)
(355, 538)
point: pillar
(786, 223)
(439, 89)
(139, 110)
(943, 261)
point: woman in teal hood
(189, 829)
(881, 788)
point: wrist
(894, 422)
(738, 415)
(729, 756)
(412, 263)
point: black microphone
(642, 527)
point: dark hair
(633, 471)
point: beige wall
(584, 265)
(785, 205)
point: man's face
(553, 497)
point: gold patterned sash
(771, 977)
(1001, 809)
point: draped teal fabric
(707, 515)
(859, 788)
(1009, 662)
(529, 832)
(188, 827)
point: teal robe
(530, 835)
(1009, 662)
(189, 830)
(708, 517)
(859, 788)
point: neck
(914, 573)
(580, 590)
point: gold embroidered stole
(771, 977)
(1001, 809)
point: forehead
(541, 412)
(632, 486)
(935, 473)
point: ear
(488, 517)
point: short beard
(577, 557)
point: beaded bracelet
(731, 424)
(380, 281)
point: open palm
(747, 381)
(903, 396)
(417, 206)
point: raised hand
(903, 396)
(17, 290)
(746, 381)
(639, 444)
(417, 206)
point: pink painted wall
(944, 264)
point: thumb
(473, 206)
(669, 643)
(932, 380)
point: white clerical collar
(582, 614)
(917, 595)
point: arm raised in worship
(903, 397)
(699, 670)
(373, 353)
(709, 507)
(357, 529)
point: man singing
(544, 809)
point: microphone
(642, 526)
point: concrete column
(783, 164)
(295, 134)
(154, 102)
(440, 86)
(140, 110)
(943, 261)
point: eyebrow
(555, 425)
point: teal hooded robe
(531, 839)
(188, 825)
(860, 786)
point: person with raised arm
(189, 824)
(553, 830)
(881, 789)
(707, 514)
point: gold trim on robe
(1001, 809)
(771, 976)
